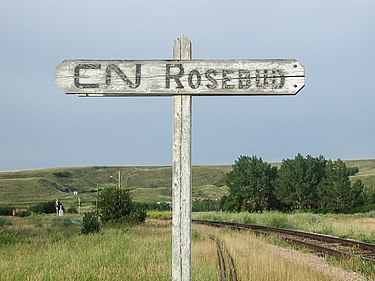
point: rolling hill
(147, 184)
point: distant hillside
(147, 184)
(366, 171)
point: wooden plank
(180, 77)
(181, 176)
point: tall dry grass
(255, 259)
(46, 249)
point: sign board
(180, 77)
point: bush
(90, 223)
(23, 213)
(115, 205)
(138, 216)
(352, 170)
(44, 208)
(64, 174)
(6, 211)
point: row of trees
(302, 183)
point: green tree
(298, 181)
(222, 202)
(369, 198)
(250, 185)
(115, 205)
(336, 194)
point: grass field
(147, 184)
(49, 248)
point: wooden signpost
(181, 78)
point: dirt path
(317, 263)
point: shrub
(140, 213)
(352, 170)
(90, 223)
(115, 205)
(6, 211)
(64, 174)
(137, 216)
(44, 208)
(23, 213)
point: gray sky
(42, 127)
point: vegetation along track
(330, 245)
(223, 269)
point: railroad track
(232, 276)
(327, 244)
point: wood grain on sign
(180, 77)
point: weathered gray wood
(185, 77)
(182, 79)
(181, 176)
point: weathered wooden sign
(180, 77)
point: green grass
(24, 191)
(150, 195)
(209, 191)
(52, 248)
(125, 253)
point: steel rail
(221, 260)
(331, 245)
(223, 269)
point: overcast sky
(333, 116)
